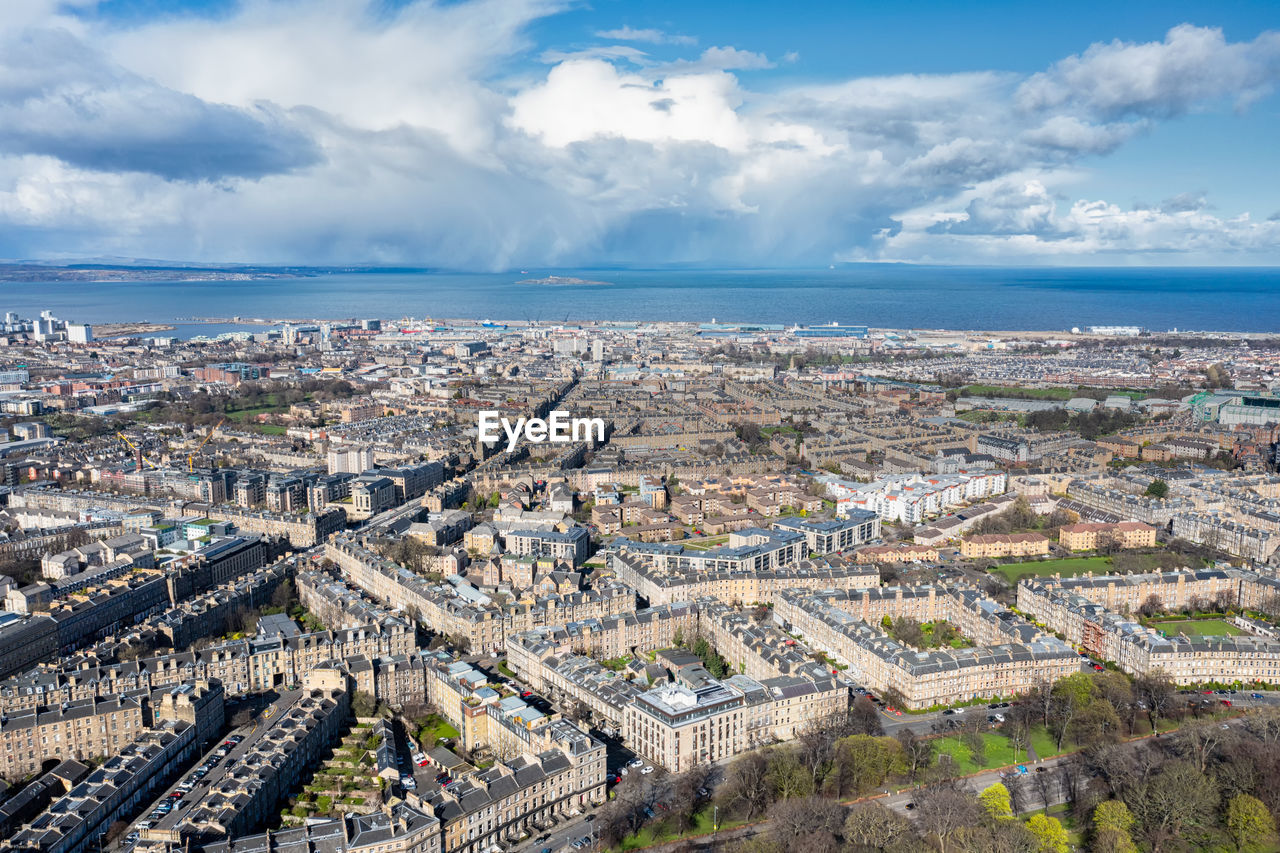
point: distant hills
(133, 269)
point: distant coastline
(879, 296)
(562, 280)
(105, 274)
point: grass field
(1040, 393)
(1197, 628)
(659, 832)
(436, 730)
(1068, 567)
(704, 544)
(999, 753)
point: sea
(878, 295)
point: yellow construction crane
(191, 460)
(137, 452)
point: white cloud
(1159, 79)
(721, 59)
(338, 131)
(652, 36)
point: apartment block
(1089, 537)
(995, 545)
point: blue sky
(490, 135)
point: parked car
(647, 769)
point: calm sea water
(876, 295)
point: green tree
(1249, 821)
(787, 774)
(1112, 822)
(995, 801)
(1157, 489)
(363, 705)
(1112, 814)
(1113, 841)
(1051, 836)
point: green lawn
(1197, 628)
(1068, 567)
(999, 753)
(1013, 390)
(704, 544)
(245, 414)
(437, 729)
(662, 831)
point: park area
(1196, 628)
(1068, 567)
(997, 749)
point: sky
(507, 134)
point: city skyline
(493, 136)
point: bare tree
(1018, 795)
(1155, 690)
(873, 825)
(1200, 742)
(1017, 728)
(746, 785)
(817, 740)
(1046, 784)
(797, 817)
(917, 752)
(686, 795)
(943, 809)
(1265, 725)
(864, 718)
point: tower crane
(191, 460)
(137, 452)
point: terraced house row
(463, 612)
(688, 717)
(658, 585)
(1084, 611)
(1012, 656)
(242, 666)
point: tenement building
(1012, 655)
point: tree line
(1206, 784)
